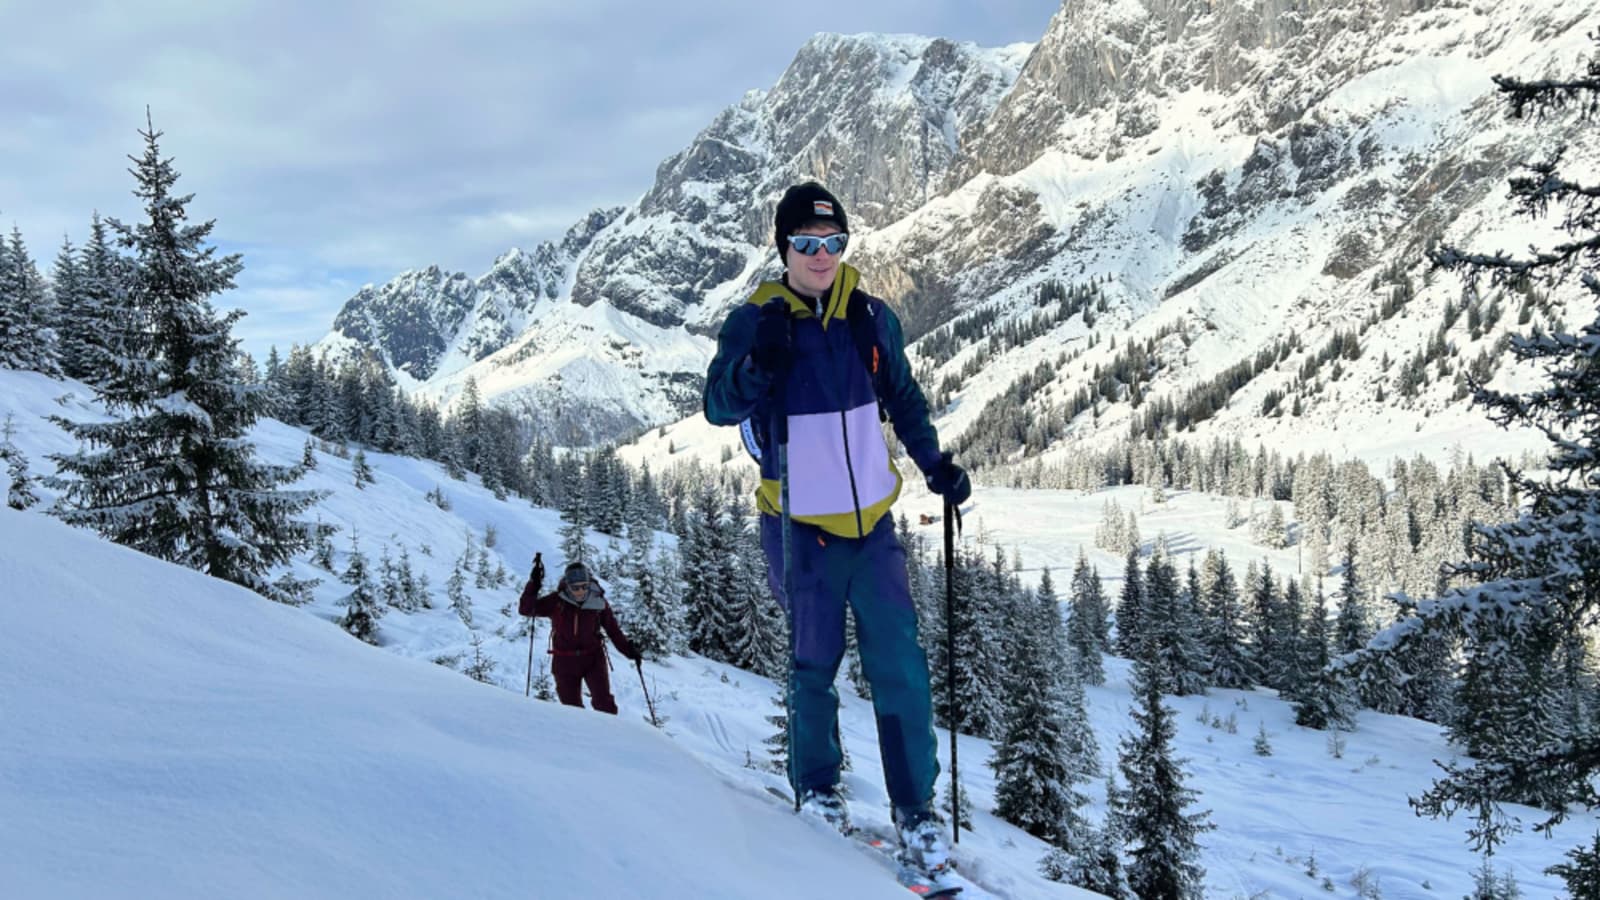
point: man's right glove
(950, 481)
(771, 351)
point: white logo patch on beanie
(822, 208)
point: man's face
(813, 275)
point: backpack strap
(863, 321)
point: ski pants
(829, 571)
(571, 672)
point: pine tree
(1227, 661)
(1287, 668)
(322, 544)
(99, 317)
(1172, 630)
(1582, 873)
(1160, 835)
(413, 591)
(976, 664)
(360, 471)
(1324, 702)
(20, 494)
(1130, 609)
(455, 589)
(1351, 632)
(1538, 574)
(388, 583)
(1269, 641)
(1087, 588)
(481, 668)
(777, 743)
(651, 618)
(1082, 628)
(751, 625)
(27, 340)
(364, 611)
(574, 547)
(1034, 775)
(76, 324)
(173, 476)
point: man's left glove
(636, 656)
(950, 481)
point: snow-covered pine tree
(711, 577)
(1268, 644)
(455, 589)
(1352, 631)
(388, 580)
(1227, 661)
(649, 618)
(1096, 866)
(1083, 636)
(1034, 780)
(977, 680)
(480, 668)
(853, 669)
(76, 325)
(1160, 835)
(777, 743)
(1171, 629)
(364, 608)
(413, 591)
(1109, 536)
(27, 340)
(20, 494)
(99, 315)
(1285, 668)
(574, 546)
(361, 471)
(1324, 701)
(753, 627)
(172, 475)
(1130, 609)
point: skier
(577, 610)
(791, 351)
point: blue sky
(339, 143)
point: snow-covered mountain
(1235, 180)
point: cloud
(363, 138)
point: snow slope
(172, 734)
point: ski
(947, 885)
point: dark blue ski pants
(829, 571)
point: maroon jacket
(575, 631)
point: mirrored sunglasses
(809, 244)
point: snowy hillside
(171, 735)
(149, 708)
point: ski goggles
(809, 244)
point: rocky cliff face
(1253, 166)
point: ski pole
(952, 522)
(538, 584)
(781, 429)
(639, 664)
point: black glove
(771, 351)
(949, 481)
(636, 656)
(537, 577)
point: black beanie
(802, 204)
